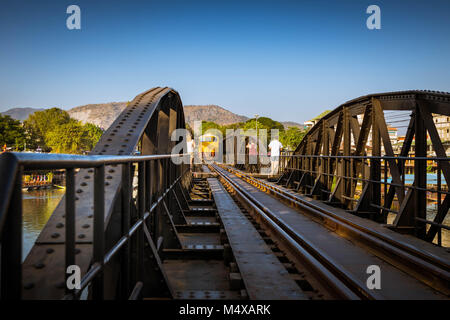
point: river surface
(38, 206)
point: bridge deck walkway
(260, 269)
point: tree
(265, 123)
(11, 133)
(292, 137)
(233, 126)
(73, 137)
(206, 125)
(190, 130)
(91, 135)
(40, 123)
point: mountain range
(20, 113)
(103, 114)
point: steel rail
(330, 272)
(424, 262)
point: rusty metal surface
(260, 269)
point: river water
(38, 206)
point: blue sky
(286, 60)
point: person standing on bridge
(252, 155)
(275, 146)
(190, 150)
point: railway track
(334, 250)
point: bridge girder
(145, 124)
(320, 168)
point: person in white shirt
(275, 147)
(190, 150)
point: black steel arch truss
(336, 163)
(145, 126)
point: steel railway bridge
(143, 227)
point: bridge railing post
(70, 224)
(11, 238)
(126, 211)
(141, 211)
(99, 234)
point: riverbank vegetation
(51, 130)
(290, 137)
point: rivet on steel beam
(83, 184)
(77, 251)
(55, 235)
(79, 191)
(39, 265)
(85, 226)
(81, 236)
(60, 225)
(50, 250)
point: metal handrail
(12, 166)
(366, 157)
(57, 161)
(291, 163)
(64, 161)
